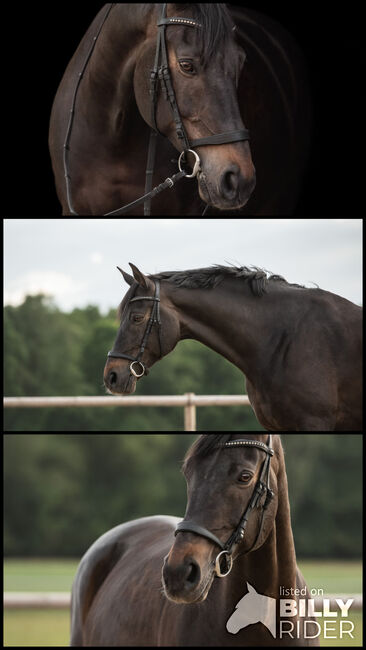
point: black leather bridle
(261, 490)
(153, 320)
(160, 72)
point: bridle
(160, 72)
(261, 490)
(153, 320)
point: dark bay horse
(102, 112)
(300, 349)
(138, 586)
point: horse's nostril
(192, 576)
(112, 378)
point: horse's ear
(126, 276)
(139, 277)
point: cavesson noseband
(261, 490)
(160, 73)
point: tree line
(62, 491)
(49, 352)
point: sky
(74, 260)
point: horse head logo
(253, 608)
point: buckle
(269, 497)
(153, 81)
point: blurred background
(62, 290)
(62, 491)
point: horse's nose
(181, 578)
(234, 185)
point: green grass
(36, 627)
(39, 575)
(49, 627)
(332, 576)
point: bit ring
(133, 371)
(219, 573)
(196, 166)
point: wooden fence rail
(61, 600)
(189, 401)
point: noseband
(153, 320)
(160, 73)
(261, 489)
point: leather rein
(160, 73)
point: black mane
(210, 277)
(204, 445)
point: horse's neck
(106, 91)
(233, 325)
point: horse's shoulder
(100, 559)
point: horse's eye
(245, 477)
(137, 318)
(187, 66)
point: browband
(176, 20)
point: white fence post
(189, 413)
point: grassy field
(51, 627)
